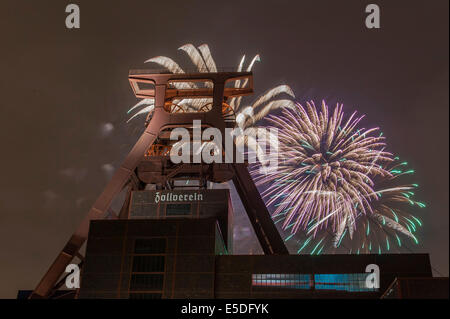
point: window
(344, 282)
(146, 282)
(148, 264)
(294, 281)
(178, 209)
(147, 272)
(340, 282)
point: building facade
(178, 244)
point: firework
(391, 220)
(382, 231)
(329, 180)
(246, 115)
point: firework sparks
(330, 182)
(383, 230)
(246, 115)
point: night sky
(65, 93)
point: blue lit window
(343, 282)
(339, 282)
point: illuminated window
(340, 282)
(294, 281)
(344, 282)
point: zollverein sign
(177, 197)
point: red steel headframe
(162, 91)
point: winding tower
(148, 164)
